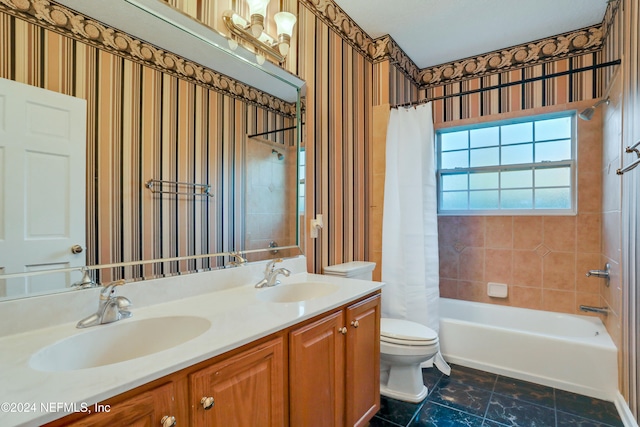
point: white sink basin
(118, 342)
(295, 292)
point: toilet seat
(404, 332)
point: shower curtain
(410, 265)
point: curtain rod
(508, 84)
(272, 131)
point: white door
(42, 186)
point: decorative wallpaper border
(376, 50)
(67, 22)
(573, 43)
(537, 52)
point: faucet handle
(271, 265)
(109, 290)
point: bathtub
(568, 352)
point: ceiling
(433, 32)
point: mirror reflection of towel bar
(206, 189)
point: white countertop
(237, 317)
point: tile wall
(270, 195)
(543, 259)
(612, 295)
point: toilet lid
(392, 330)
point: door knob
(76, 249)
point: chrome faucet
(86, 281)
(605, 274)
(111, 308)
(271, 274)
(600, 273)
(239, 259)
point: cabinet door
(247, 389)
(363, 361)
(144, 410)
(316, 373)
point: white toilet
(404, 345)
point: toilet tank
(353, 270)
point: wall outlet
(315, 225)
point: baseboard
(625, 413)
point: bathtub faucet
(601, 273)
(590, 309)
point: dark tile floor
(475, 398)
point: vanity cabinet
(321, 372)
(362, 361)
(316, 372)
(334, 369)
(148, 408)
(243, 390)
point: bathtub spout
(598, 273)
(590, 309)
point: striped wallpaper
(554, 91)
(337, 135)
(144, 124)
(326, 63)
(343, 85)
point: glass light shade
(239, 20)
(285, 22)
(257, 8)
(283, 48)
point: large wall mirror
(185, 152)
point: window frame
(571, 163)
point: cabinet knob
(355, 323)
(207, 403)
(343, 330)
(168, 421)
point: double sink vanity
(201, 349)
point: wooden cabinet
(335, 367)
(246, 390)
(143, 410)
(363, 361)
(316, 373)
(323, 372)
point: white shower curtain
(409, 226)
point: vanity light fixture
(252, 31)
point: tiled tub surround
(543, 259)
(227, 298)
(473, 398)
(569, 352)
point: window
(524, 166)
